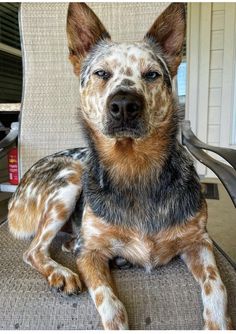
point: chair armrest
(227, 153)
(226, 174)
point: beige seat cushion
(167, 298)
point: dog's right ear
(84, 30)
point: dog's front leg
(201, 262)
(94, 269)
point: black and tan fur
(136, 185)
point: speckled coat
(133, 192)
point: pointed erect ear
(84, 30)
(168, 31)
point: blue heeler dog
(135, 186)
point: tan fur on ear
(84, 30)
(169, 31)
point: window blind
(10, 55)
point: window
(181, 81)
(10, 54)
(182, 74)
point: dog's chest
(159, 200)
(139, 206)
(146, 250)
(149, 207)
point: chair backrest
(48, 120)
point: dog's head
(125, 89)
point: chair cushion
(166, 298)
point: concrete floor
(221, 219)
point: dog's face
(125, 89)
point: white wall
(211, 39)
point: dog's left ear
(168, 31)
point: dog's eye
(151, 75)
(102, 74)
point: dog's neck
(132, 159)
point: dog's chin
(124, 133)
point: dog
(134, 192)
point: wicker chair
(167, 298)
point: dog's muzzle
(125, 111)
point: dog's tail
(22, 221)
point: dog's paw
(64, 280)
(114, 316)
(225, 324)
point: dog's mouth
(125, 132)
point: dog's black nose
(125, 107)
